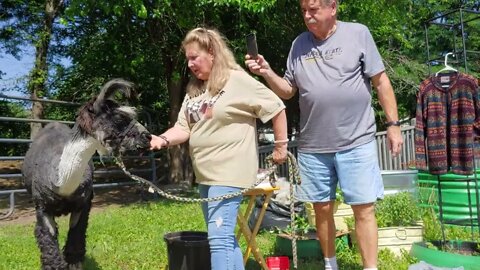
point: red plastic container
(278, 263)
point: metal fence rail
(115, 172)
(387, 162)
(404, 161)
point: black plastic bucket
(188, 250)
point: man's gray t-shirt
(333, 80)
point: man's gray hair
(323, 2)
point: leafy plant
(302, 227)
(433, 228)
(399, 209)
(339, 195)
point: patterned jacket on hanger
(447, 123)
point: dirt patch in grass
(24, 211)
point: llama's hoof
(77, 266)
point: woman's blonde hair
(212, 41)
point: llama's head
(113, 125)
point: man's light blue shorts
(355, 170)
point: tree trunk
(38, 77)
(181, 170)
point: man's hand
(257, 66)
(395, 140)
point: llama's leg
(46, 233)
(74, 250)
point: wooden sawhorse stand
(244, 229)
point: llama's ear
(109, 89)
(85, 118)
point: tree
(26, 23)
(140, 40)
(150, 53)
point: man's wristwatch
(393, 123)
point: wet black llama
(58, 170)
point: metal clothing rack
(460, 221)
(456, 26)
(455, 22)
(468, 180)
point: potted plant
(341, 211)
(455, 252)
(398, 218)
(307, 242)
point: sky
(16, 71)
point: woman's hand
(157, 143)
(280, 152)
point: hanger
(447, 66)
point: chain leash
(270, 173)
(294, 179)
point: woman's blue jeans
(221, 218)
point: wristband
(281, 141)
(165, 139)
(393, 123)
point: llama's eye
(119, 121)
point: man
(333, 66)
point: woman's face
(200, 61)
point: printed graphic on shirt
(201, 109)
(326, 55)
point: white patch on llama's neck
(73, 162)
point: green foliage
(339, 195)
(255, 6)
(12, 129)
(433, 227)
(388, 260)
(302, 227)
(399, 209)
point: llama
(58, 170)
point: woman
(218, 117)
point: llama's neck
(74, 161)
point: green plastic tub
(456, 205)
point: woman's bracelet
(281, 141)
(165, 139)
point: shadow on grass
(90, 264)
(252, 265)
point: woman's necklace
(211, 102)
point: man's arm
(387, 100)
(278, 84)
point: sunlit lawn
(131, 237)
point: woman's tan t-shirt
(223, 135)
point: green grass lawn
(131, 237)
